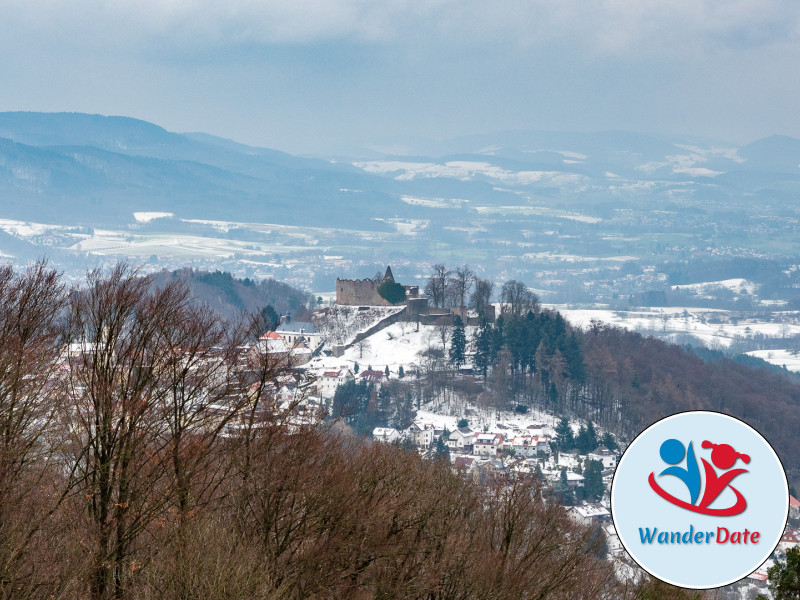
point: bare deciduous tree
(481, 297)
(517, 299)
(30, 487)
(436, 288)
(459, 284)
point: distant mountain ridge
(478, 195)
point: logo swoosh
(737, 508)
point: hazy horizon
(318, 77)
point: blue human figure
(672, 452)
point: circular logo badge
(699, 499)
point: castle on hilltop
(364, 292)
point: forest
(144, 454)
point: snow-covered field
(714, 327)
(737, 286)
(782, 358)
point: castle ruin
(364, 292)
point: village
(365, 340)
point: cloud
(610, 27)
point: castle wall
(358, 292)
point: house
(790, 539)
(386, 435)
(522, 446)
(488, 471)
(612, 539)
(794, 507)
(332, 379)
(461, 439)
(296, 332)
(420, 434)
(487, 444)
(272, 343)
(589, 514)
(373, 377)
(528, 446)
(574, 480)
(464, 463)
(605, 456)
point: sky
(322, 76)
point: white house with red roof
(272, 342)
(789, 539)
(794, 507)
(529, 445)
(332, 379)
(372, 376)
(487, 444)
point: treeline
(624, 381)
(229, 295)
(145, 453)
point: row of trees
(461, 287)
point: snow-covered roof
(588, 511)
(297, 327)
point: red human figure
(724, 457)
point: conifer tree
(458, 343)
(564, 436)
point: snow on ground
(714, 327)
(341, 324)
(782, 358)
(506, 423)
(26, 228)
(397, 345)
(466, 170)
(146, 217)
(123, 243)
(738, 286)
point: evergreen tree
(483, 349)
(635, 381)
(591, 437)
(587, 439)
(463, 423)
(561, 489)
(553, 392)
(593, 484)
(356, 368)
(609, 441)
(401, 372)
(458, 342)
(269, 318)
(564, 436)
(442, 451)
(497, 341)
(386, 371)
(784, 577)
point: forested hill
(625, 382)
(617, 378)
(230, 296)
(651, 379)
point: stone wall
(359, 292)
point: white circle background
(635, 505)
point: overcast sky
(309, 75)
